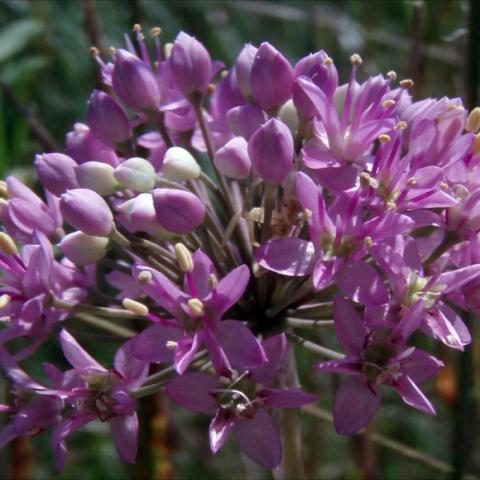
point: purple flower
(240, 406)
(374, 360)
(197, 312)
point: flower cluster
(207, 215)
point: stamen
(411, 181)
(167, 49)
(144, 277)
(383, 138)
(308, 213)
(476, 145)
(401, 125)
(407, 83)
(94, 52)
(135, 307)
(171, 345)
(388, 103)
(392, 75)
(356, 60)
(184, 257)
(391, 205)
(367, 242)
(328, 61)
(443, 186)
(473, 121)
(3, 189)
(230, 228)
(137, 28)
(196, 307)
(155, 31)
(5, 299)
(213, 280)
(7, 245)
(112, 51)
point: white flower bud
(97, 176)
(179, 165)
(288, 115)
(137, 174)
(83, 249)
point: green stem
(315, 348)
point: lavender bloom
(56, 172)
(239, 412)
(197, 312)
(373, 361)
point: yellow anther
(367, 242)
(135, 307)
(473, 121)
(94, 51)
(144, 277)
(3, 189)
(137, 28)
(328, 61)
(184, 257)
(443, 186)
(383, 138)
(388, 103)
(223, 73)
(167, 49)
(196, 307)
(213, 280)
(392, 75)
(411, 181)
(407, 83)
(171, 345)
(7, 245)
(356, 59)
(391, 205)
(308, 213)
(155, 31)
(5, 299)
(476, 145)
(401, 125)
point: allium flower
(221, 212)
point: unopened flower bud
(178, 211)
(137, 174)
(87, 211)
(245, 119)
(243, 66)
(5, 299)
(184, 258)
(56, 172)
(302, 101)
(107, 119)
(191, 65)
(232, 159)
(289, 116)
(7, 245)
(134, 82)
(271, 77)
(271, 151)
(196, 307)
(97, 176)
(83, 249)
(135, 307)
(179, 164)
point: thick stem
(292, 466)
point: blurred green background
(46, 76)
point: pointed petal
(283, 398)
(240, 345)
(420, 366)
(161, 289)
(455, 279)
(124, 430)
(78, 358)
(288, 256)
(410, 322)
(355, 405)
(133, 371)
(202, 268)
(412, 395)
(323, 273)
(217, 355)
(151, 344)
(7, 434)
(350, 365)
(219, 429)
(349, 327)
(230, 289)
(193, 390)
(185, 351)
(362, 283)
(259, 439)
(275, 349)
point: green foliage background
(47, 74)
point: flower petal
(124, 430)
(349, 327)
(283, 398)
(151, 344)
(219, 429)
(275, 348)
(412, 395)
(259, 439)
(76, 355)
